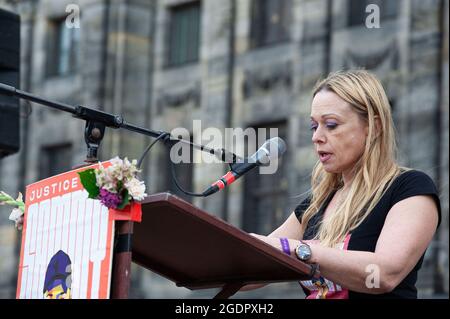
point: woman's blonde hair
(376, 168)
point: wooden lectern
(196, 250)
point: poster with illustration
(67, 241)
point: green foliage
(89, 182)
(125, 199)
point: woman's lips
(324, 157)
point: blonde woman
(368, 221)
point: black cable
(163, 135)
(172, 165)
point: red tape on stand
(131, 212)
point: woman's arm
(291, 228)
(407, 231)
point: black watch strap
(314, 271)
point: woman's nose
(318, 136)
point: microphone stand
(97, 121)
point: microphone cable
(177, 184)
(164, 136)
(141, 159)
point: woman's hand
(275, 242)
(260, 237)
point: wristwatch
(303, 251)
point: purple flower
(110, 200)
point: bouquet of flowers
(18, 210)
(115, 186)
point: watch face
(304, 252)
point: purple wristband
(285, 246)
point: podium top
(197, 250)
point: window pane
(184, 33)
(357, 12)
(194, 34)
(65, 45)
(256, 23)
(62, 56)
(174, 40)
(74, 52)
(270, 21)
(389, 8)
(273, 17)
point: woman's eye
(331, 126)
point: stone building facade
(230, 64)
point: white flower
(110, 187)
(100, 177)
(15, 216)
(105, 179)
(136, 189)
(116, 161)
(19, 207)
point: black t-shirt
(365, 236)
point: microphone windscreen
(270, 150)
(276, 147)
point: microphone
(270, 150)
